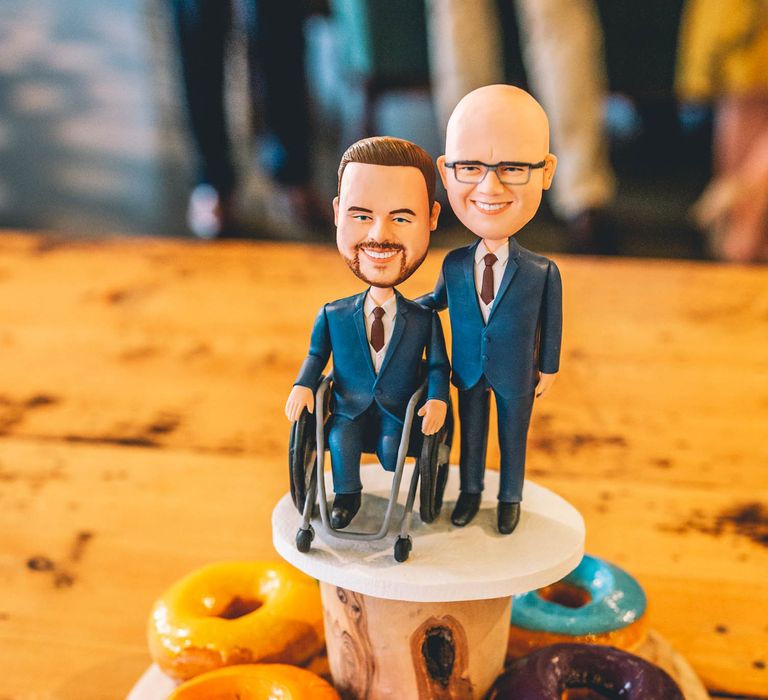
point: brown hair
(387, 150)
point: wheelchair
(306, 462)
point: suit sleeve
(438, 299)
(551, 322)
(319, 353)
(438, 367)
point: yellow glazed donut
(236, 613)
(256, 682)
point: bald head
(497, 110)
(493, 125)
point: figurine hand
(545, 381)
(433, 412)
(301, 397)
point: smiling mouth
(381, 255)
(490, 207)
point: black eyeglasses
(473, 172)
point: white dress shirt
(502, 255)
(388, 319)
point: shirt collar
(502, 253)
(389, 306)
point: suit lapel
(362, 335)
(509, 273)
(397, 331)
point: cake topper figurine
(384, 213)
(504, 302)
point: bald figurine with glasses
(504, 302)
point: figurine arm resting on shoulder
(437, 299)
(551, 331)
(303, 394)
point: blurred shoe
(209, 215)
(590, 233)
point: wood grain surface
(142, 435)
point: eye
(511, 170)
(401, 220)
(465, 169)
(361, 217)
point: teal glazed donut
(612, 614)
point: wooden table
(142, 435)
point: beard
(405, 271)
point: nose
(380, 230)
(491, 184)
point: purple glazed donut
(548, 672)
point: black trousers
(274, 30)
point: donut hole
(239, 607)
(567, 595)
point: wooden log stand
(435, 626)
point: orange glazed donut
(236, 613)
(256, 682)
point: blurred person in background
(275, 51)
(562, 45)
(723, 59)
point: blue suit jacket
(524, 327)
(340, 330)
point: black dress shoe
(466, 508)
(345, 507)
(508, 515)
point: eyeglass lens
(471, 173)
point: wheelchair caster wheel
(304, 539)
(403, 546)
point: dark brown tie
(486, 292)
(377, 329)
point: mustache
(379, 245)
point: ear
(434, 216)
(442, 170)
(550, 164)
(335, 211)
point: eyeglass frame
(488, 168)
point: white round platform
(447, 563)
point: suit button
(487, 338)
(485, 358)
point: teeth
(380, 254)
(487, 206)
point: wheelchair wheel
(433, 469)
(302, 453)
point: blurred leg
(464, 50)
(741, 162)
(276, 62)
(563, 50)
(201, 28)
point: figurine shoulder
(342, 305)
(412, 307)
(534, 261)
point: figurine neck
(381, 294)
(492, 245)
